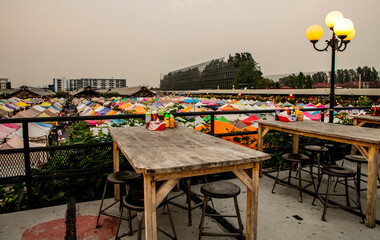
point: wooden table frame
(337, 133)
(360, 120)
(246, 170)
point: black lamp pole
(339, 45)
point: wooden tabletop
(179, 149)
(367, 117)
(337, 131)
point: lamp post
(342, 33)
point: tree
(249, 74)
(320, 77)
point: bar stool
(135, 202)
(221, 190)
(123, 179)
(318, 151)
(299, 159)
(359, 160)
(342, 172)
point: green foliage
(249, 75)
(297, 81)
(344, 118)
(61, 94)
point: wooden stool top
(356, 158)
(123, 177)
(316, 148)
(220, 189)
(295, 157)
(338, 171)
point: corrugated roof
(319, 91)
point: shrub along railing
(59, 162)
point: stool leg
(358, 175)
(347, 196)
(276, 180)
(202, 218)
(101, 205)
(319, 165)
(290, 172)
(118, 224)
(188, 199)
(327, 199)
(299, 183)
(139, 227)
(171, 222)
(130, 232)
(359, 201)
(238, 218)
(316, 192)
(337, 179)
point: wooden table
(360, 120)
(366, 140)
(181, 152)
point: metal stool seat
(299, 159)
(220, 190)
(343, 172)
(225, 190)
(316, 148)
(359, 160)
(121, 178)
(135, 202)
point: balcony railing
(23, 165)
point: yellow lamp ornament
(332, 18)
(314, 33)
(350, 36)
(342, 33)
(343, 27)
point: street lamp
(342, 33)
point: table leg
(116, 168)
(373, 163)
(296, 139)
(252, 205)
(150, 208)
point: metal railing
(17, 165)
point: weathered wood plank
(296, 140)
(179, 149)
(116, 168)
(252, 205)
(244, 178)
(373, 164)
(328, 131)
(164, 190)
(150, 208)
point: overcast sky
(141, 39)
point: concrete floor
(281, 216)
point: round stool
(359, 160)
(135, 202)
(293, 158)
(339, 172)
(123, 179)
(318, 151)
(220, 190)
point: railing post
(28, 172)
(323, 116)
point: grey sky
(139, 39)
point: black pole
(28, 172)
(333, 45)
